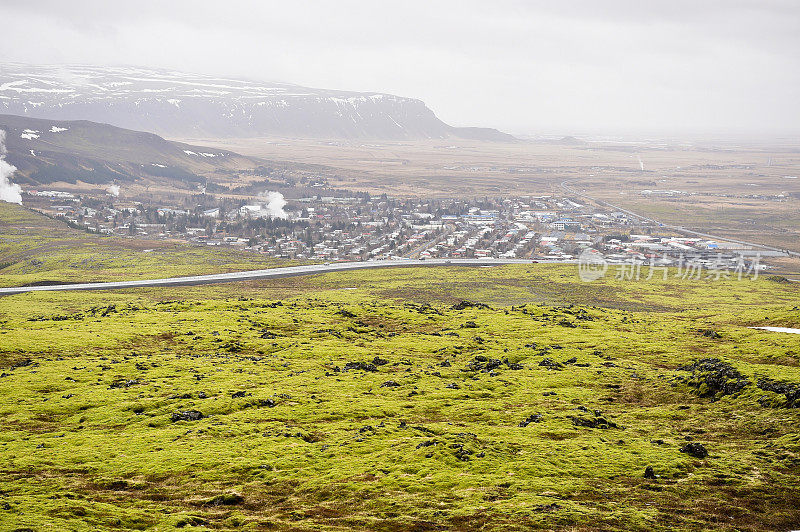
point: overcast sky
(548, 67)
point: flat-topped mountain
(176, 104)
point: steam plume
(275, 204)
(113, 190)
(9, 191)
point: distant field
(773, 223)
(368, 401)
(459, 168)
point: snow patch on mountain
(178, 104)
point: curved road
(272, 273)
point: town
(348, 226)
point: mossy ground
(87, 439)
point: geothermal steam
(275, 204)
(113, 190)
(9, 191)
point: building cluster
(339, 228)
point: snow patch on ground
(29, 134)
(778, 329)
(56, 129)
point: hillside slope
(187, 105)
(369, 401)
(45, 151)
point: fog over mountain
(177, 104)
(544, 67)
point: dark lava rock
(571, 360)
(533, 418)
(596, 422)
(267, 335)
(445, 364)
(714, 378)
(649, 473)
(191, 520)
(227, 499)
(470, 325)
(188, 415)
(236, 395)
(491, 364)
(390, 384)
(546, 507)
(789, 390)
(202, 395)
(710, 333)
(346, 313)
(427, 443)
(697, 450)
(778, 279)
(363, 366)
(68, 395)
(549, 363)
(378, 361)
(460, 452)
(468, 304)
(123, 383)
(453, 386)
(266, 402)
(482, 363)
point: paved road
(678, 228)
(272, 273)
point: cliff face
(185, 105)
